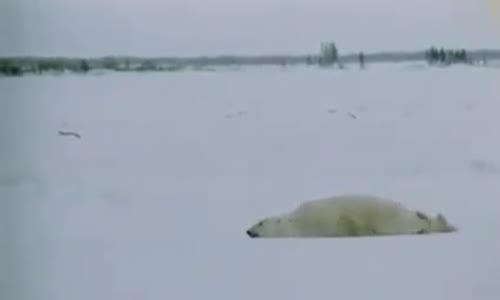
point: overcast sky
(213, 27)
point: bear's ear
(442, 219)
(443, 223)
(421, 215)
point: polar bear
(347, 216)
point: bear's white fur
(349, 215)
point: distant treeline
(446, 56)
(35, 65)
(328, 56)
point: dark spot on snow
(69, 133)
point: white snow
(153, 201)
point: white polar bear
(349, 215)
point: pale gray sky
(212, 27)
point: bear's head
(440, 224)
(271, 227)
(435, 224)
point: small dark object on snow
(65, 133)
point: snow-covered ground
(153, 201)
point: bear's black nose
(251, 234)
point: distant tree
(432, 55)
(84, 66)
(329, 54)
(361, 60)
(442, 55)
(9, 68)
(463, 55)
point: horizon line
(351, 53)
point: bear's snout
(252, 234)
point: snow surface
(153, 201)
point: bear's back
(351, 203)
(348, 214)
